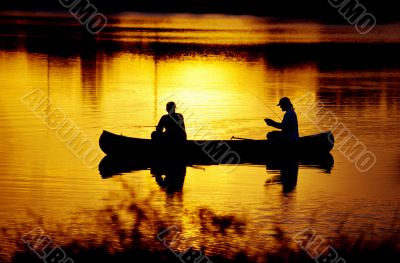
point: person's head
(170, 108)
(285, 104)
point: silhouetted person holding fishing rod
(171, 127)
(289, 125)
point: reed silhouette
(138, 240)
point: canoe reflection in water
(171, 175)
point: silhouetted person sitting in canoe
(289, 125)
(171, 127)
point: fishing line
(273, 111)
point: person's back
(171, 127)
(174, 126)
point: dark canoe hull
(213, 151)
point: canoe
(213, 151)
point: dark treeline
(383, 10)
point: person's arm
(286, 122)
(273, 123)
(182, 122)
(183, 128)
(161, 124)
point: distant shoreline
(313, 10)
(65, 14)
(61, 13)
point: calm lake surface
(226, 74)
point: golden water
(226, 77)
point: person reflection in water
(289, 125)
(170, 177)
(288, 171)
(171, 127)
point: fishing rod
(240, 138)
(135, 126)
(197, 167)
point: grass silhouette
(139, 240)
